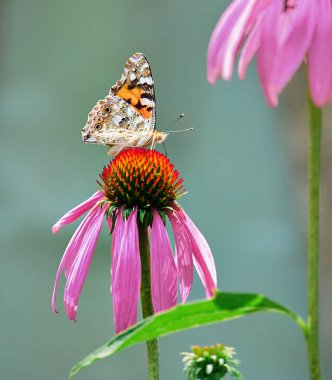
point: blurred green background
(240, 165)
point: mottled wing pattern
(136, 87)
(126, 117)
(124, 126)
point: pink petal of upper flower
(126, 271)
(80, 267)
(285, 39)
(320, 55)
(226, 39)
(251, 46)
(183, 254)
(203, 258)
(163, 267)
(76, 212)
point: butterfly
(126, 117)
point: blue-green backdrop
(57, 59)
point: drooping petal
(203, 258)
(163, 267)
(80, 267)
(184, 256)
(110, 226)
(70, 254)
(109, 223)
(78, 211)
(126, 272)
(285, 40)
(329, 96)
(226, 39)
(118, 235)
(251, 46)
(320, 55)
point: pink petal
(226, 39)
(320, 55)
(70, 254)
(251, 46)
(109, 223)
(118, 235)
(203, 258)
(163, 267)
(126, 271)
(285, 39)
(184, 256)
(115, 236)
(329, 96)
(80, 267)
(76, 212)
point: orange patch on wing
(129, 96)
(145, 113)
(133, 97)
(137, 92)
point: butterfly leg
(165, 149)
(152, 144)
(121, 147)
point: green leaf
(223, 307)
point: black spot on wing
(132, 85)
(147, 96)
(139, 106)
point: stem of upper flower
(146, 299)
(315, 126)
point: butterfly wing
(125, 117)
(136, 87)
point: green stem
(146, 299)
(315, 121)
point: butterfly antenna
(174, 122)
(180, 130)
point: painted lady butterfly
(127, 116)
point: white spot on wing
(146, 80)
(116, 119)
(146, 102)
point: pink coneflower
(139, 187)
(283, 33)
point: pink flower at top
(138, 184)
(283, 33)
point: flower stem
(315, 121)
(146, 299)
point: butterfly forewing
(136, 87)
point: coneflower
(139, 189)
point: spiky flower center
(142, 178)
(210, 362)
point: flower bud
(210, 362)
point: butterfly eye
(107, 109)
(98, 127)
